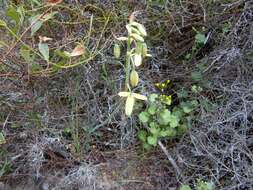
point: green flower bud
(137, 60)
(116, 51)
(134, 78)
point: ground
(65, 126)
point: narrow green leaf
(2, 138)
(2, 23)
(62, 54)
(21, 12)
(49, 16)
(4, 168)
(3, 44)
(36, 2)
(36, 24)
(44, 50)
(13, 14)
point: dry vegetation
(64, 124)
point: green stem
(19, 39)
(128, 62)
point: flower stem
(128, 61)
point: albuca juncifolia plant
(135, 52)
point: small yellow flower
(131, 97)
(166, 99)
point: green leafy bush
(162, 120)
(201, 185)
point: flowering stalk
(134, 55)
(128, 62)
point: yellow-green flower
(131, 97)
(137, 59)
(116, 50)
(134, 78)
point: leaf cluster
(162, 120)
(201, 185)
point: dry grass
(36, 109)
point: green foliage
(196, 76)
(144, 117)
(17, 15)
(2, 138)
(185, 187)
(159, 3)
(200, 38)
(2, 23)
(226, 27)
(4, 168)
(26, 54)
(165, 119)
(44, 50)
(5, 165)
(161, 120)
(13, 14)
(67, 131)
(201, 185)
(200, 41)
(38, 20)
